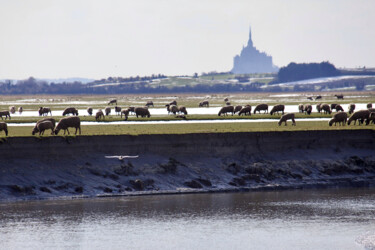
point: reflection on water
(313, 219)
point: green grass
(190, 128)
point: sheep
(369, 105)
(341, 96)
(99, 115)
(182, 109)
(245, 110)
(310, 98)
(260, 107)
(226, 99)
(150, 103)
(326, 108)
(301, 108)
(351, 108)
(237, 108)
(70, 110)
(360, 115)
(308, 109)
(277, 108)
(4, 127)
(174, 102)
(44, 111)
(89, 111)
(125, 112)
(107, 111)
(142, 112)
(69, 122)
(288, 116)
(318, 97)
(339, 108)
(340, 117)
(172, 109)
(228, 103)
(20, 110)
(117, 110)
(131, 109)
(371, 118)
(318, 107)
(12, 110)
(333, 106)
(4, 113)
(52, 120)
(204, 104)
(225, 110)
(114, 101)
(42, 126)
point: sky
(98, 39)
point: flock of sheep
(341, 117)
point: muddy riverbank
(65, 167)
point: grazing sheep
(318, 107)
(326, 108)
(20, 110)
(301, 108)
(89, 111)
(340, 117)
(339, 108)
(226, 99)
(125, 112)
(131, 109)
(52, 120)
(4, 113)
(278, 108)
(225, 110)
(172, 109)
(245, 110)
(371, 118)
(289, 116)
(308, 109)
(99, 115)
(351, 108)
(237, 108)
(117, 110)
(44, 111)
(333, 105)
(150, 103)
(70, 110)
(369, 105)
(4, 127)
(182, 109)
(360, 115)
(142, 112)
(310, 98)
(204, 104)
(42, 126)
(12, 109)
(341, 96)
(114, 101)
(107, 111)
(69, 122)
(318, 97)
(173, 103)
(228, 103)
(260, 107)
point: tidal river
(305, 219)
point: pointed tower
(250, 42)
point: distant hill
(72, 79)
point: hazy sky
(101, 38)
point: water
(310, 219)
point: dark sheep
(237, 108)
(351, 108)
(333, 105)
(69, 122)
(318, 107)
(114, 101)
(260, 107)
(371, 118)
(340, 117)
(89, 111)
(117, 110)
(318, 97)
(70, 110)
(225, 110)
(226, 99)
(301, 108)
(99, 115)
(182, 109)
(369, 105)
(44, 111)
(12, 110)
(174, 102)
(107, 111)
(341, 96)
(204, 104)
(140, 111)
(41, 126)
(326, 108)
(172, 109)
(125, 112)
(150, 103)
(20, 110)
(245, 110)
(308, 109)
(4, 127)
(310, 98)
(228, 103)
(339, 108)
(278, 108)
(131, 109)
(289, 116)
(4, 113)
(360, 115)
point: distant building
(252, 60)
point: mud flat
(76, 167)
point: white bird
(121, 157)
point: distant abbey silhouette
(252, 60)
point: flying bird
(121, 157)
